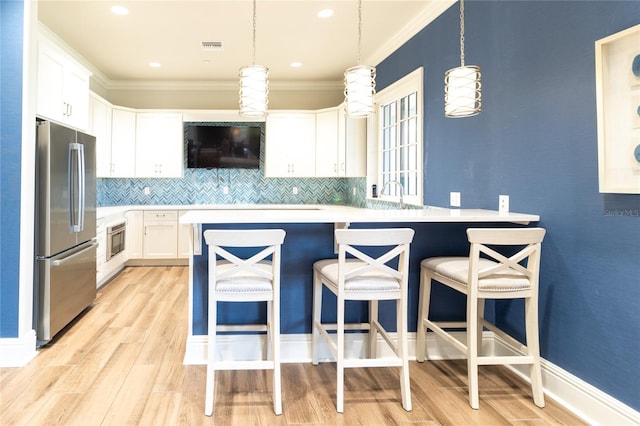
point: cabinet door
(327, 163)
(101, 251)
(50, 102)
(100, 127)
(160, 240)
(123, 143)
(134, 235)
(290, 145)
(353, 148)
(62, 87)
(159, 145)
(160, 234)
(76, 97)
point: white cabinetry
(106, 269)
(352, 145)
(122, 162)
(340, 144)
(327, 162)
(156, 235)
(290, 145)
(101, 252)
(159, 145)
(160, 234)
(134, 235)
(62, 86)
(100, 127)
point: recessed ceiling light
(325, 13)
(120, 10)
(296, 64)
(154, 64)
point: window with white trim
(400, 140)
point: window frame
(410, 83)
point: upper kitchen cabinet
(62, 87)
(327, 161)
(100, 127)
(159, 145)
(290, 145)
(122, 159)
(341, 144)
(352, 145)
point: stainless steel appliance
(115, 238)
(65, 236)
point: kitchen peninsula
(310, 228)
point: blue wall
(11, 24)
(536, 140)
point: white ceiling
(119, 48)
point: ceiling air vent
(212, 46)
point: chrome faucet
(397, 184)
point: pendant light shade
(254, 90)
(462, 87)
(359, 83)
(462, 96)
(254, 84)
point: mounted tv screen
(214, 146)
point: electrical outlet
(454, 199)
(503, 204)
(225, 190)
(354, 190)
(295, 190)
(147, 191)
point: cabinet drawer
(160, 215)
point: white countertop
(342, 214)
(305, 213)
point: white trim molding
(583, 400)
(18, 351)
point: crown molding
(413, 27)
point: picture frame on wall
(618, 111)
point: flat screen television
(223, 146)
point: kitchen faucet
(401, 190)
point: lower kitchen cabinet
(134, 235)
(156, 235)
(160, 234)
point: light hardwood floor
(121, 364)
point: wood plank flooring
(121, 364)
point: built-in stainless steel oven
(115, 238)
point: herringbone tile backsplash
(202, 186)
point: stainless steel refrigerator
(65, 235)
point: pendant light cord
(359, 29)
(462, 33)
(254, 33)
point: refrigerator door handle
(76, 186)
(76, 254)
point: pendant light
(359, 82)
(254, 84)
(462, 95)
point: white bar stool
(249, 279)
(361, 277)
(492, 276)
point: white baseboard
(582, 399)
(585, 401)
(18, 351)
